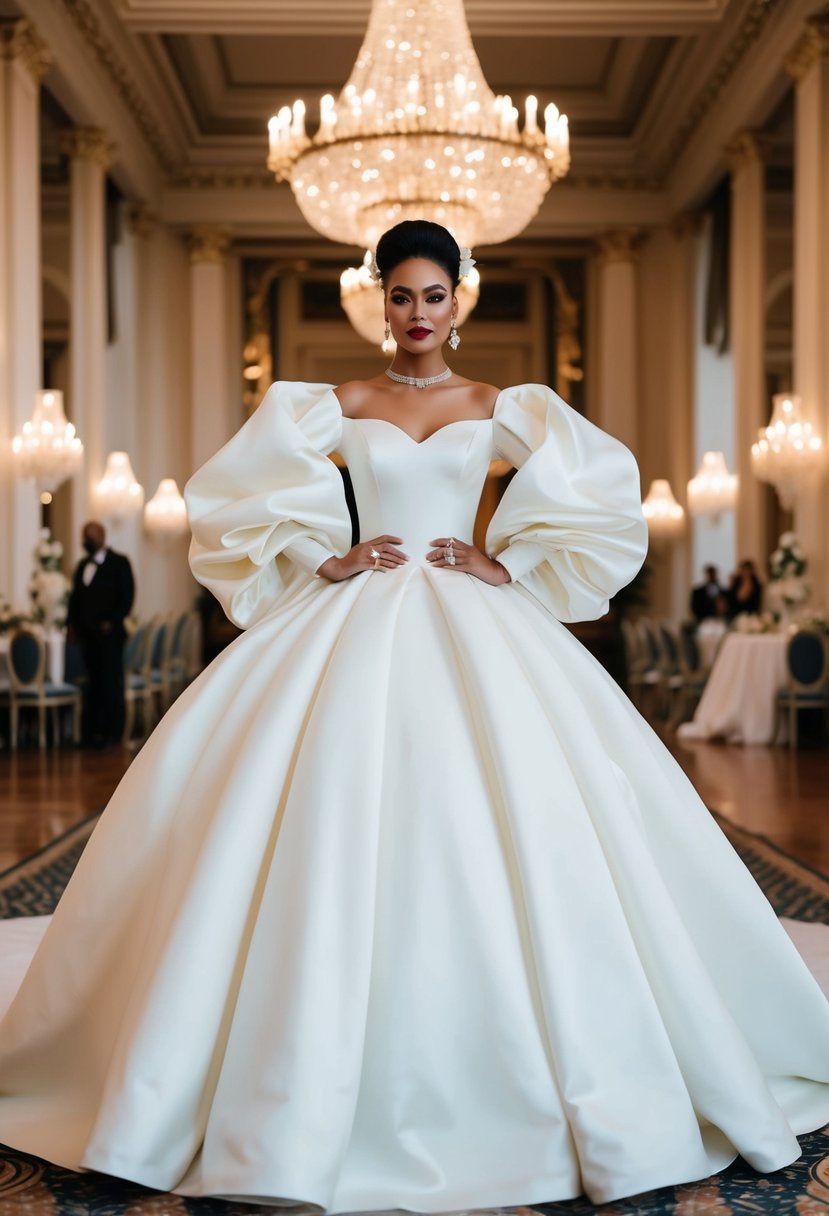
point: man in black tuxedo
(709, 598)
(102, 594)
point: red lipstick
(419, 333)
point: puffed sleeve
(270, 500)
(569, 527)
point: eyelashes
(406, 300)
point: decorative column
(747, 292)
(617, 360)
(90, 152)
(210, 355)
(809, 66)
(24, 60)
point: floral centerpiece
(48, 586)
(9, 619)
(788, 587)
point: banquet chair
(138, 689)
(693, 675)
(807, 687)
(654, 676)
(29, 688)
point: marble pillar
(617, 354)
(24, 59)
(212, 416)
(809, 66)
(90, 153)
(747, 292)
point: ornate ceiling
(654, 89)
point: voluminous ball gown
(403, 905)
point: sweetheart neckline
(418, 442)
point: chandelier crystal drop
(664, 515)
(47, 448)
(713, 489)
(363, 301)
(118, 494)
(787, 449)
(417, 133)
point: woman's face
(420, 305)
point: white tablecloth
(739, 701)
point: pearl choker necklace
(418, 381)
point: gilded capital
(747, 148)
(88, 143)
(20, 40)
(141, 220)
(618, 246)
(812, 47)
(207, 244)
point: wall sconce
(118, 494)
(713, 489)
(47, 448)
(165, 515)
(665, 517)
(787, 450)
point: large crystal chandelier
(787, 449)
(417, 133)
(364, 303)
(665, 517)
(47, 448)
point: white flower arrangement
(788, 559)
(48, 586)
(9, 619)
(750, 622)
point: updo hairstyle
(418, 239)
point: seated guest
(745, 591)
(708, 599)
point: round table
(739, 703)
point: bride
(403, 905)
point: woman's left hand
(468, 560)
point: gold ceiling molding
(619, 245)
(813, 46)
(88, 143)
(687, 223)
(753, 25)
(207, 243)
(85, 20)
(20, 40)
(223, 177)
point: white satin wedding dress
(403, 905)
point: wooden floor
(783, 795)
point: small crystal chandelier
(417, 133)
(118, 494)
(165, 515)
(48, 448)
(713, 489)
(665, 516)
(787, 449)
(362, 299)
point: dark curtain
(717, 329)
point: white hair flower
(373, 268)
(467, 262)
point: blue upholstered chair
(138, 687)
(807, 686)
(29, 688)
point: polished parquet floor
(781, 794)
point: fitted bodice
(418, 491)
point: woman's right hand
(359, 559)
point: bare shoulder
(353, 395)
(479, 397)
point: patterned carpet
(29, 1187)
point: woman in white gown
(403, 905)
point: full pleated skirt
(404, 906)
